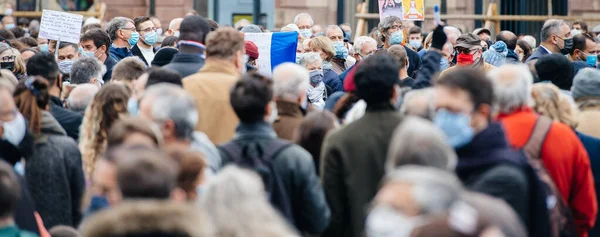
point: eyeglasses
(149, 29)
(467, 50)
(396, 27)
(10, 58)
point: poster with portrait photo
(390, 8)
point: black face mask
(8, 65)
(568, 49)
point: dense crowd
(141, 131)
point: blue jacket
(592, 146)
(345, 73)
(332, 80)
(119, 54)
(538, 53)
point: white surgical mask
(176, 34)
(385, 221)
(14, 131)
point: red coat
(566, 160)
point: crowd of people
(144, 131)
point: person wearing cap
(353, 157)
(469, 54)
(252, 52)
(586, 92)
(190, 59)
(164, 56)
(556, 38)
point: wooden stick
(360, 25)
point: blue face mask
(98, 203)
(592, 60)
(306, 33)
(133, 39)
(88, 54)
(415, 43)
(340, 49)
(132, 107)
(444, 64)
(9, 26)
(150, 38)
(456, 126)
(397, 37)
(43, 48)
(316, 77)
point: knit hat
(557, 69)
(164, 56)
(496, 55)
(586, 83)
(251, 49)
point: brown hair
(30, 42)
(324, 44)
(344, 104)
(311, 132)
(128, 69)
(191, 168)
(414, 30)
(399, 54)
(125, 127)
(108, 105)
(31, 97)
(223, 43)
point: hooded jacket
(55, 176)
(148, 218)
(488, 165)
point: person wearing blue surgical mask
(305, 23)
(144, 48)
(8, 22)
(67, 54)
(585, 49)
(486, 162)
(392, 33)
(335, 34)
(124, 35)
(415, 39)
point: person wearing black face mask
(556, 38)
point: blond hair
(109, 105)
(551, 102)
(324, 44)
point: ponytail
(31, 97)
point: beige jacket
(211, 87)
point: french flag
(274, 48)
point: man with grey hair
(419, 103)
(410, 192)
(87, 70)
(586, 92)
(175, 113)
(392, 34)
(555, 37)
(174, 27)
(81, 96)
(452, 33)
(559, 147)
(123, 35)
(290, 82)
(418, 142)
(305, 23)
(251, 29)
(364, 47)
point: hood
(50, 125)
(148, 218)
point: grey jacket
(296, 167)
(201, 143)
(54, 175)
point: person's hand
(439, 38)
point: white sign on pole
(263, 43)
(61, 26)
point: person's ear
(103, 48)
(93, 81)
(406, 63)
(178, 195)
(168, 129)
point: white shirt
(148, 54)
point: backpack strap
(274, 148)
(533, 147)
(233, 150)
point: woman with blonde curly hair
(108, 106)
(551, 102)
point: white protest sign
(263, 42)
(61, 26)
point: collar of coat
(289, 108)
(148, 217)
(220, 66)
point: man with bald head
(174, 27)
(510, 39)
(81, 97)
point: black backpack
(263, 166)
(561, 220)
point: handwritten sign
(61, 26)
